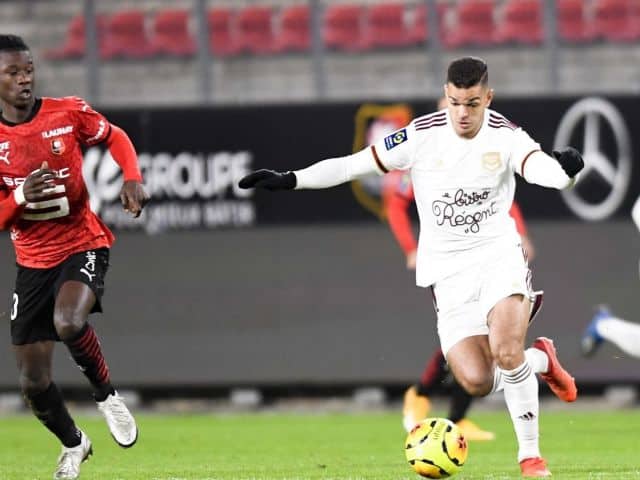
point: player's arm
(521, 226)
(132, 194)
(37, 186)
(390, 153)
(559, 171)
(397, 210)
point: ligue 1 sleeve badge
(57, 146)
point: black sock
(50, 409)
(85, 350)
(460, 402)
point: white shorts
(464, 299)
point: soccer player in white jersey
(462, 163)
(607, 326)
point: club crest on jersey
(57, 146)
(4, 152)
(491, 161)
(395, 139)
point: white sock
(521, 395)
(498, 381)
(537, 359)
(626, 335)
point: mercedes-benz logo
(615, 172)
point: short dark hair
(12, 43)
(467, 72)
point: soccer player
(606, 326)
(397, 199)
(62, 247)
(462, 163)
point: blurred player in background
(462, 164)
(62, 247)
(606, 326)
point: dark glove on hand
(269, 179)
(570, 160)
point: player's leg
(458, 407)
(416, 403)
(606, 326)
(47, 404)
(79, 290)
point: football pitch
(281, 446)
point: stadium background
(218, 288)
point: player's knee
(509, 356)
(476, 383)
(68, 322)
(34, 382)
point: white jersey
(463, 188)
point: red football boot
(558, 379)
(534, 467)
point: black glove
(269, 179)
(570, 160)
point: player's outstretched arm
(323, 174)
(559, 171)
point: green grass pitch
(278, 446)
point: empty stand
(294, 34)
(255, 30)
(222, 38)
(617, 20)
(572, 21)
(74, 45)
(522, 22)
(127, 36)
(385, 26)
(474, 24)
(171, 35)
(343, 27)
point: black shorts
(32, 305)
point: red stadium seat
(171, 35)
(475, 24)
(522, 22)
(222, 38)
(385, 26)
(255, 31)
(295, 33)
(617, 20)
(572, 24)
(419, 31)
(75, 42)
(127, 36)
(342, 28)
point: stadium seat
(385, 26)
(255, 31)
(342, 27)
(294, 34)
(474, 24)
(75, 42)
(521, 22)
(171, 35)
(419, 31)
(617, 20)
(127, 36)
(572, 24)
(222, 38)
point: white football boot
(120, 421)
(70, 459)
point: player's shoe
(70, 459)
(591, 339)
(534, 467)
(473, 432)
(558, 379)
(414, 408)
(120, 421)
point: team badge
(491, 161)
(395, 139)
(4, 152)
(57, 146)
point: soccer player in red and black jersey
(62, 247)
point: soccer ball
(436, 448)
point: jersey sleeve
(91, 126)
(395, 151)
(522, 146)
